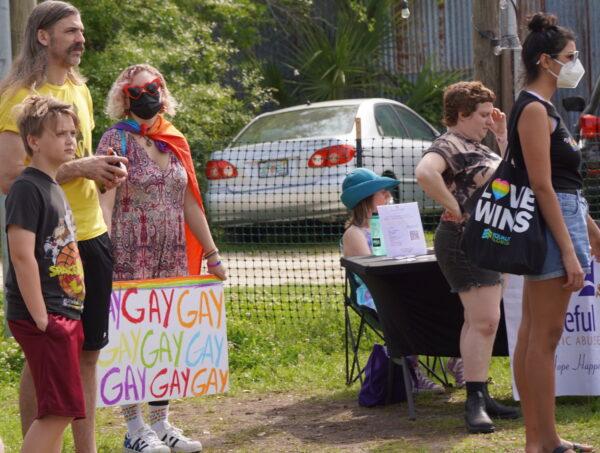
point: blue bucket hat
(361, 183)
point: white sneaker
(175, 439)
(144, 440)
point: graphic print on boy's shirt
(37, 204)
(61, 248)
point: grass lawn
(288, 394)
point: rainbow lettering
(167, 339)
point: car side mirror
(574, 104)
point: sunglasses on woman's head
(135, 91)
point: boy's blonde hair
(37, 113)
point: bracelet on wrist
(215, 264)
(211, 253)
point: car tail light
(331, 156)
(590, 126)
(220, 169)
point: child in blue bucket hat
(361, 183)
(362, 192)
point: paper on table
(402, 229)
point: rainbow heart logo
(500, 188)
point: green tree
(343, 61)
(205, 64)
(342, 57)
(425, 93)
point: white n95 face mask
(570, 74)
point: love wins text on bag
(505, 231)
(496, 214)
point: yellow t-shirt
(81, 192)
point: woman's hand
(594, 235)
(215, 266)
(499, 128)
(595, 245)
(575, 274)
(455, 211)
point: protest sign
(578, 353)
(167, 339)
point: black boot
(497, 410)
(476, 417)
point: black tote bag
(505, 231)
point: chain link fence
(273, 199)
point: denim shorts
(574, 210)
(459, 271)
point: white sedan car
(289, 164)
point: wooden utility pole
(486, 65)
(19, 13)
(495, 71)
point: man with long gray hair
(47, 65)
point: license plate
(272, 168)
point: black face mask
(146, 106)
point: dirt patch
(290, 422)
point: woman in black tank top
(552, 159)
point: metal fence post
(359, 151)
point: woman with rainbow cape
(155, 218)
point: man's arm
(102, 169)
(12, 157)
(22, 244)
(98, 168)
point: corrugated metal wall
(583, 17)
(436, 31)
(441, 31)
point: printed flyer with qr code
(402, 230)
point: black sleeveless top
(565, 154)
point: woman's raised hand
(499, 128)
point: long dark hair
(29, 68)
(545, 36)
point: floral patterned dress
(148, 229)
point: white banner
(167, 339)
(578, 352)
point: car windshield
(311, 122)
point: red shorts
(53, 358)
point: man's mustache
(76, 48)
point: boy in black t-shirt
(44, 285)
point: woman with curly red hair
(451, 171)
